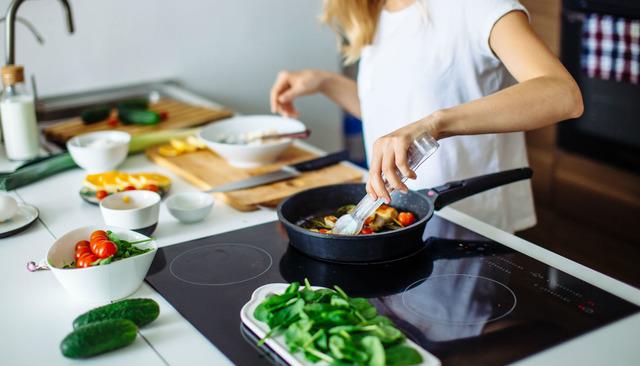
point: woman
(446, 68)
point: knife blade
(284, 173)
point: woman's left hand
(390, 155)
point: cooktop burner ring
(214, 264)
(429, 311)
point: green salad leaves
(328, 325)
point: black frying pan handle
(322, 161)
(455, 191)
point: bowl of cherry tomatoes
(101, 263)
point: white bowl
(246, 156)
(95, 157)
(135, 210)
(190, 207)
(102, 283)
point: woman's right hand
(290, 85)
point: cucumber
(139, 311)
(97, 114)
(133, 104)
(138, 116)
(99, 337)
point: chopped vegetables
(406, 218)
(330, 326)
(386, 218)
(104, 247)
(178, 147)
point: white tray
(278, 345)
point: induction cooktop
(463, 297)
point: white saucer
(25, 216)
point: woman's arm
(545, 94)
(290, 85)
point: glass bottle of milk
(18, 114)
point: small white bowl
(190, 207)
(246, 156)
(102, 283)
(134, 210)
(97, 157)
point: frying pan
(378, 247)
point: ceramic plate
(25, 216)
(278, 345)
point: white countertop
(36, 313)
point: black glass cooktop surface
(464, 297)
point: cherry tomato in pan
(105, 249)
(151, 187)
(86, 260)
(366, 231)
(100, 195)
(406, 218)
(82, 243)
(324, 231)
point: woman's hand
(290, 85)
(390, 155)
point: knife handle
(321, 162)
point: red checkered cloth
(611, 48)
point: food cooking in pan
(385, 218)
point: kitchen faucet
(11, 17)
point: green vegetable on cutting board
(328, 325)
(96, 114)
(99, 337)
(108, 327)
(133, 111)
(138, 117)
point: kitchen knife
(286, 172)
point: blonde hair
(355, 22)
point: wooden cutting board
(205, 170)
(180, 115)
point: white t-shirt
(435, 54)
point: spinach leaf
(402, 355)
(375, 350)
(364, 307)
(298, 334)
(287, 315)
(339, 301)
